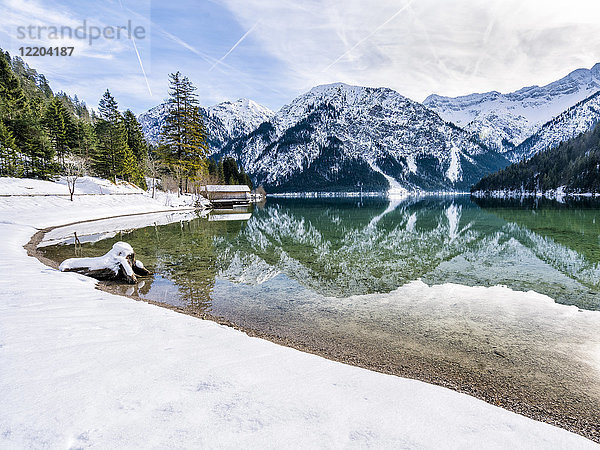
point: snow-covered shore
(559, 194)
(80, 368)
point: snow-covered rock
(506, 120)
(118, 263)
(338, 137)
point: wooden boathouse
(228, 195)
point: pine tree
(245, 178)
(12, 95)
(183, 140)
(22, 106)
(212, 168)
(86, 140)
(230, 171)
(220, 172)
(138, 146)
(9, 161)
(112, 150)
(195, 147)
(56, 121)
(42, 83)
(135, 137)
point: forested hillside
(574, 165)
(44, 134)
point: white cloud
(449, 47)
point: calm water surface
(287, 251)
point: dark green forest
(574, 164)
(44, 134)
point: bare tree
(74, 168)
(153, 166)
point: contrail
(138, 57)
(370, 34)
(486, 36)
(240, 40)
(189, 47)
(141, 65)
(209, 59)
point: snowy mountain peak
(225, 121)
(506, 120)
(338, 95)
(337, 137)
(240, 117)
(459, 102)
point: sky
(274, 50)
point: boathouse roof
(227, 188)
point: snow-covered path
(83, 368)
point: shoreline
(414, 367)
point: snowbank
(82, 368)
(108, 228)
(94, 186)
(84, 185)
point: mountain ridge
(504, 121)
(572, 167)
(576, 120)
(338, 136)
(225, 121)
(343, 137)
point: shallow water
(467, 294)
(342, 247)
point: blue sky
(285, 47)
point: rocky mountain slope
(343, 138)
(568, 125)
(336, 137)
(503, 121)
(225, 121)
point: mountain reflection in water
(344, 247)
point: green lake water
(343, 247)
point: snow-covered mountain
(336, 136)
(152, 122)
(506, 120)
(225, 121)
(240, 117)
(568, 125)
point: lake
(496, 298)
